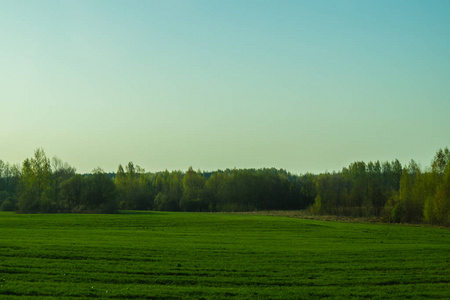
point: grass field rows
(201, 255)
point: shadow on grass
(139, 212)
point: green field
(203, 255)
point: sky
(307, 86)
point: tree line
(52, 186)
(388, 190)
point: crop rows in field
(193, 255)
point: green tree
(121, 185)
(376, 191)
(328, 194)
(440, 161)
(359, 189)
(175, 190)
(441, 174)
(441, 203)
(308, 191)
(144, 197)
(193, 192)
(61, 171)
(72, 193)
(212, 188)
(168, 188)
(100, 193)
(407, 206)
(133, 187)
(36, 185)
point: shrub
(9, 205)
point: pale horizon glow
(307, 86)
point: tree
(327, 199)
(175, 190)
(441, 205)
(437, 207)
(193, 194)
(440, 161)
(36, 185)
(72, 193)
(133, 188)
(397, 170)
(62, 171)
(376, 191)
(359, 189)
(144, 196)
(121, 185)
(100, 193)
(308, 191)
(2, 172)
(212, 187)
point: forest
(387, 190)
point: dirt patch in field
(301, 214)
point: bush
(399, 213)
(9, 205)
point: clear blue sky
(300, 85)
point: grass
(200, 255)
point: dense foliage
(387, 190)
(41, 185)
